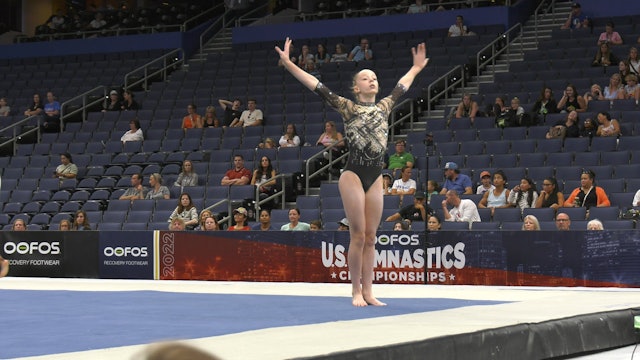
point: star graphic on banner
(334, 275)
(452, 277)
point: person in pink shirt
(609, 36)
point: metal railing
(546, 8)
(444, 86)
(155, 70)
(397, 120)
(489, 54)
(15, 133)
(78, 106)
(222, 23)
(260, 11)
(311, 161)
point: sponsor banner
(50, 254)
(126, 255)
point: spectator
(211, 224)
(232, 111)
(361, 52)
(192, 119)
(113, 103)
(136, 191)
(634, 61)
(632, 90)
(313, 70)
(128, 102)
(341, 54)
(210, 118)
(461, 183)
(5, 110)
(51, 121)
(81, 222)
(343, 225)
(315, 225)
(19, 225)
(186, 211)
(497, 198)
(624, 71)
(187, 176)
(418, 211)
(263, 178)
(98, 22)
(239, 175)
(563, 222)
(387, 184)
(609, 36)
(265, 221)
(332, 140)
(294, 222)
(588, 195)
(64, 225)
(176, 224)
(498, 108)
(433, 188)
(290, 137)
(588, 128)
(250, 117)
(565, 128)
(204, 214)
(434, 223)
(545, 104)
(67, 169)
(595, 224)
(485, 183)
(157, 191)
(417, 7)
(595, 93)
(401, 158)
(4, 267)
(604, 56)
(515, 115)
(615, 90)
(56, 21)
(240, 219)
(608, 126)
(405, 185)
(571, 101)
(305, 58)
(268, 143)
(459, 28)
(523, 196)
(550, 196)
(577, 19)
(467, 108)
(636, 199)
(322, 56)
(36, 107)
(530, 223)
(402, 225)
(134, 133)
(463, 210)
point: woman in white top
(290, 137)
(523, 195)
(497, 198)
(134, 133)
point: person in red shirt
(239, 175)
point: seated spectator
(211, 224)
(186, 211)
(361, 52)
(64, 225)
(571, 101)
(19, 225)
(608, 126)
(434, 223)
(262, 178)
(268, 143)
(515, 116)
(631, 89)
(265, 221)
(604, 56)
(402, 225)
(461, 183)
(485, 183)
(634, 61)
(250, 117)
(157, 191)
(459, 28)
(587, 195)
(343, 225)
(387, 184)
(595, 224)
(136, 191)
(588, 128)
(36, 107)
(615, 90)
(498, 108)
(400, 159)
(624, 71)
(5, 110)
(81, 222)
(313, 70)
(239, 175)
(51, 120)
(176, 224)
(636, 199)
(113, 103)
(498, 197)
(97, 23)
(192, 120)
(331, 139)
(577, 19)
(467, 108)
(134, 133)
(595, 93)
(232, 111)
(545, 104)
(418, 211)
(609, 36)
(563, 222)
(128, 102)
(187, 176)
(322, 56)
(294, 222)
(417, 7)
(290, 138)
(67, 169)
(524, 195)
(550, 196)
(315, 225)
(341, 54)
(463, 210)
(565, 128)
(530, 223)
(210, 118)
(405, 185)
(204, 214)
(433, 188)
(305, 58)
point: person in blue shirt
(51, 119)
(461, 183)
(361, 52)
(577, 19)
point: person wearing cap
(463, 210)
(485, 183)
(418, 211)
(294, 222)
(405, 185)
(387, 183)
(240, 216)
(461, 183)
(400, 158)
(67, 169)
(113, 103)
(577, 19)
(343, 225)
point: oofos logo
(23, 248)
(402, 239)
(125, 251)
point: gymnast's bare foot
(358, 300)
(371, 300)
(4, 268)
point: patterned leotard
(366, 130)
